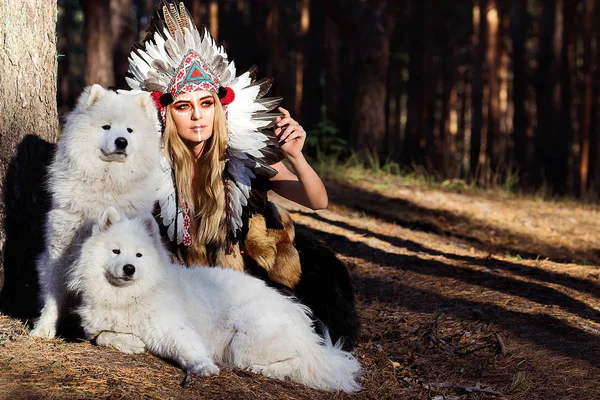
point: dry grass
(462, 296)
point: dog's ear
(108, 217)
(145, 101)
(151, 226)
(90, 95)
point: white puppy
(198, 316)
(107, 154)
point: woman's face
(193, 114)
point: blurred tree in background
(481, 90)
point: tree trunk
(395, 93)
(65, 28)
(595, 117)
(288, 29)
(548, 91)
(369, 27)
(28, 126)
(312, 98)
(520, 121)
(562, 151)
(373, 52)
(493, 110)
(565, 175)
(585, 118)
(98, 40)
(123, 35)
(419, 88)
(479, 46)
(199, 10)
(303, 10)
(446, 147)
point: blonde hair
(207, 202)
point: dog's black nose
(128, 270)
(121, 143)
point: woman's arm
(304, 187)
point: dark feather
(253, 71)
(270, 102)
(265, 85)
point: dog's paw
(41, 330)
(204, 367)
(124, 342)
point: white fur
(198, 316)
(89, 173)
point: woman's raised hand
(290, 134)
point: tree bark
(520, 121)
(369, 27)
(479, 47)
(585, 118)
(28, 126)
(123, 36)
(492, 141)
(98, 40)
(314, 53)
(418, 119)
(548, 92)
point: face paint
(193, 114)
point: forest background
(489, 92)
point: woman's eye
(129, 130)
(182, 107)
(116, 251)
(207, 104)
(138, 255)
(106, 127)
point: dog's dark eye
(116, 251)
(138, 255)
(106, 127)
(129, 130)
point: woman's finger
(293, 136)
(284, 127)
(284, 112)
(287, 133)
(286, 121)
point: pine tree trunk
(548, 91)
(333, 72)
(479, 46)
(595, 117)
(288, 14)
(493, 108)
(313, 66)
(123, 36)
(369, 28)
(98, 40)
(419, 72)
(585, 118)
(562, 150)
(28, 126)
(520, 122)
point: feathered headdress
(176, 58)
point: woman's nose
(196, 114)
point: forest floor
(472, 295)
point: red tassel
(156, 99)
(229, 96)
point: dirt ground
(461, 295)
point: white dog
(108, 154)
(196, 316)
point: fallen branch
(478, 388)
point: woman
(222, 155)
